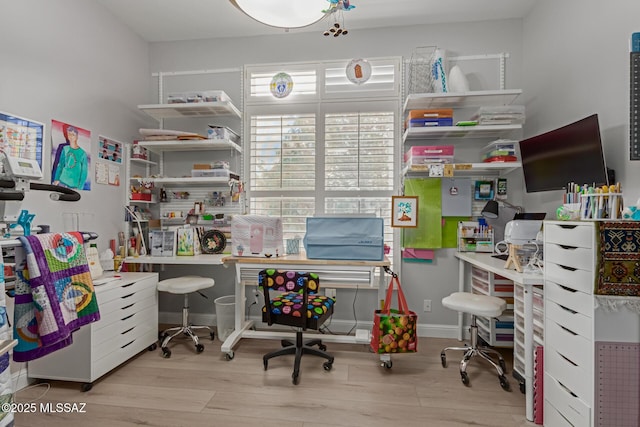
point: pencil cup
(569, 211)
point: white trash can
(225, 315)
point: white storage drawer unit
(569, 270)
(495, 332)
(128, 324)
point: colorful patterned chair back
(286, 302)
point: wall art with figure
(70, 156)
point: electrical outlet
(427, 305)
(256, 296)
(330, 292)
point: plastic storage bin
(225, 316)
(502, 150)
(425, 154)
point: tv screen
(572, 153)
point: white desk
(333, 274)
(203, 259)
(486, 262)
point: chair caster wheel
(152, 347)
(504, 383)
(387, 364)
(229, 356)
(86, 387)
(443, 359)
(162, 337)
(166, 353)
(322, 347)
(295, 378)
(465, 378)
(503, 365)
(523, 387)
(199, 348)
(327, 366)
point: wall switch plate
(427, 305)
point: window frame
(387, 97)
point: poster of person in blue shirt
(71, 147)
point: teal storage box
(357, 238)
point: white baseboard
(20, 379)
(337, 326)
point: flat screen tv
(572, 153)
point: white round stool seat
(478, 305)
(185, 284)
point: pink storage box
(424, 154)
(256, 236)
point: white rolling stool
(184, 285)
(476, 305)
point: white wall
(71, 61)
(576, 63)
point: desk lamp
(490, 210)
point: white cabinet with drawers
(570, 251)
(128, 324)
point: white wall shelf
(195, 181)
(468, 169)
(415, 134)
(462, 135)
(143, 161)
(461, 99)
(190, 109)
(190, 145)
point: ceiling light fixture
(291, 14)
(336, 9)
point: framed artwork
(70, 156)
(21, 138)
(404, 211)
(109, 149)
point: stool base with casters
(184, 285)
(476, 305)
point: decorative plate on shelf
(213, 242)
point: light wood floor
(204, 389)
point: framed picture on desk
(404, 211)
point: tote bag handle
(402, 302)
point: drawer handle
(567, 268)
(568, 330)
(562, 307)
(566, 389)
(128, 317)
(128, 296)
(568, 227)
(568, 247)
(127, 331)
(567, 359)
(128, 284)
(128, 306)
(564, 288)
(128, 344)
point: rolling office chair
(297, 304)
(476, 305)
(184, 285)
